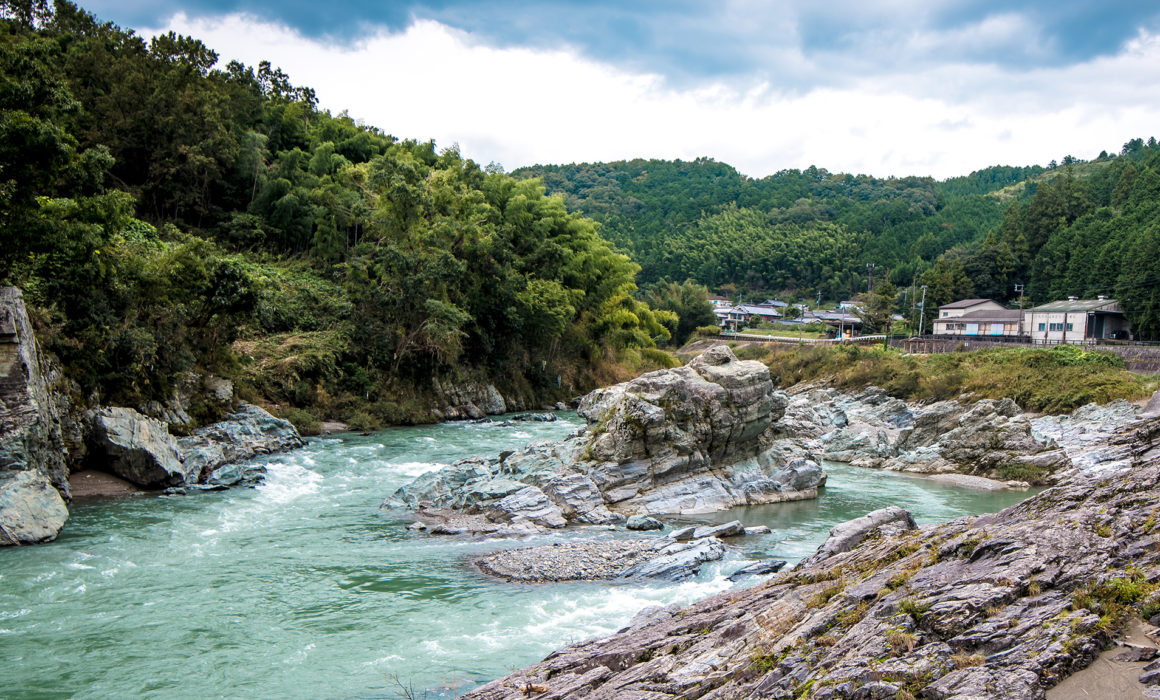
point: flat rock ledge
(998, 606)
(603, 560)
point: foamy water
(302, 587)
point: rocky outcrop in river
(997, 606)
(687, 440)
(987, 438)
(33, 473)
(34, 463)
(140, 449)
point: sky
(886, 87)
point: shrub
(303, 420)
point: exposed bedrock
(988, 438)
(688, 440)
(140, 449)
(33, 473)
(996, 606)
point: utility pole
(905, 294)
(1019, 288)
(870, 279)
(922, 311)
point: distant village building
(1071, 321)
(1076, 321)
(976, 317)
(774, 303)
(734, 317)
(850, 305)
(844, 324)
(719, 301)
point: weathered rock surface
(214, 455)
(141, 450)
(891, 520)
(33, 473)
(134, 447)
(998, 606)
(643, 522)
(657, 558)
(468, 400)
(687, 440)
(990, 438)
(31, 509)
(760, 568)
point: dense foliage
(1076, 229)
(794, 232)
(1085, 229)
(164, 214)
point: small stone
(760, 568)
(758, 530)
(731, 529)
(643, 522)
(685, 533)
(415, 526)
(1137, 653)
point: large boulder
(33, 472)
(988, 438)
(134, 447)
(243, 435)
(468, 400)
(688, 440)
(31, 509)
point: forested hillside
(792, 232)
(1080, 228)
(164, 213)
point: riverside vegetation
(1075, 228)
(165, 214)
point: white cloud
(523, 106)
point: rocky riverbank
(714, 435)
(689, 440)
(988, 438)
(46, 443)
(1002, 605)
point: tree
(688, 300)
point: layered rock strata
(987, 438)
(657, 558)
(33, 472)
(1002, 605)
(688, 440)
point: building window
(1041, 326)
(946, 313)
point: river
(303, 588)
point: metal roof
(966, 303)
(1078, 305)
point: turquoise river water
(303, 588)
